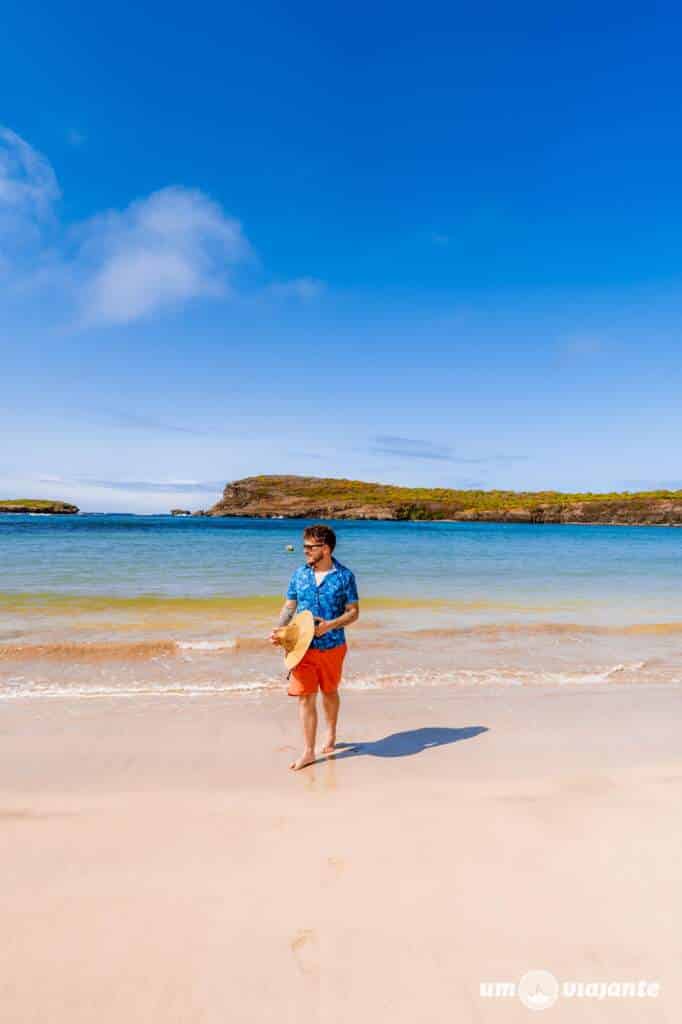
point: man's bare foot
(306, 758)
(330, 746)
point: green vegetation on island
(330, 498)
(37, 505)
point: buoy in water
(290, 547)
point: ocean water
(126, 605)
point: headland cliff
(330, 498)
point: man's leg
(307, 712)
(331, 703)
(331, 670)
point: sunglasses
(309, 547)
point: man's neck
(324, 565)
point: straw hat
(296, 638)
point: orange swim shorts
(317, 668)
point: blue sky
(415, 244)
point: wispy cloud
(28, 192)
(409, 448)
(121, 266)
(161, 251)
(28, 185)
(143, 486)
(413, 448)
(160, 486)
(298, 288)
(134, 420)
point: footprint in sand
(304, 948)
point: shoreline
(266, 516)
(432, 522)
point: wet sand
(161, 864)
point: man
(327, 589)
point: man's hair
(323, 534)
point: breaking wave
(19, 687)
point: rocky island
(38, 505)
(328, 498)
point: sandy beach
(372, 315)
(161, 864)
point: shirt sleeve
(351, 589)
(292, 591)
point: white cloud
(28, 191)
(157, 486)
(167, 487)
(28, 185)
(416, 448)
(298, 288)
(173, 246)
(117, 267)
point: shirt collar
(335, 567)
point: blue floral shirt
(327, 601)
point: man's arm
(285, 616)
(349, 616)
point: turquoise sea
(120, 603)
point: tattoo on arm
(287, 614)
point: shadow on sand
(404, 744)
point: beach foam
(229, 643)
(28, 690)
(19, 687)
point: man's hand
(322, 626)
(275, 637)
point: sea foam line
(80, 692)
(228, 643)
(22, 689)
